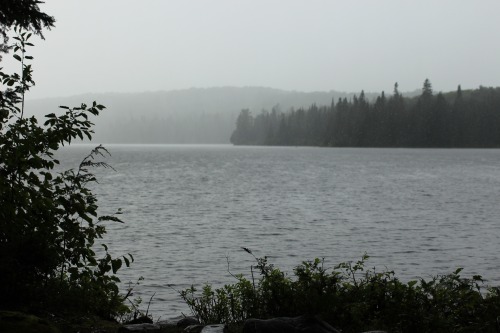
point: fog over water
(183, 116)
(180, 71)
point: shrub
(48, 222)
(353, 298)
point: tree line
(459, 119)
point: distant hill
(197, 115)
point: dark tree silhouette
(468, 118)
(25, 14)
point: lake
(188, 210)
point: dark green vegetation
(352, 298)
(24, 14)
(458, 119)
(19, 322)
(49, 224)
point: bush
(353, 298)
(48, 222)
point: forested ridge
(192, 116)
(459, 119)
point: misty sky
(309, 45)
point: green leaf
(116, 264)
(73, 271)
(17, 57)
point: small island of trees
(460, 119)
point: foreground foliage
(48, 222)
(352, 298)
(25, 14)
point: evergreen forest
(459, 119)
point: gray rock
(167, 323)
(194, 329)
(150, 328)
(187, 321)
(221, 328)
(302, 324)
(171, 322)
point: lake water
(190, 209)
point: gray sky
(309, 45)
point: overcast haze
(134, 46)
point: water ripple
(188, 210)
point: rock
(302, 324)
(13, 322)
(221, 328)
(150, 328)
(167, 323)
(187, 321)
(194, 329)
(375, 332)
(141, 320)
(170, 322)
